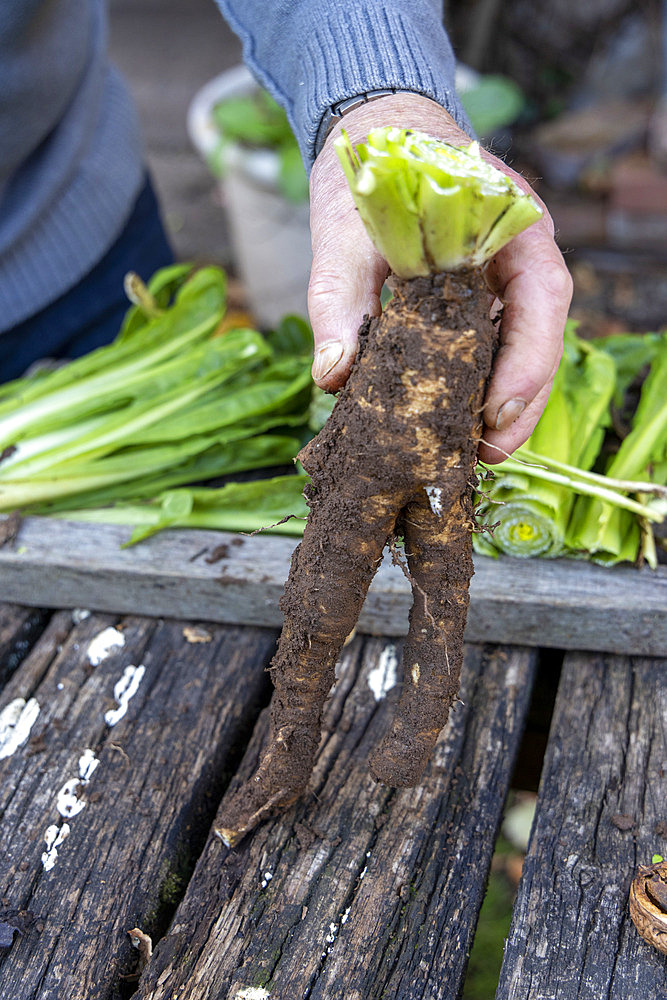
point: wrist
(406, 109)
(340, 109)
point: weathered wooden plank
(359, 891)
(562, 604)
(602, 810)
(147, 804)
(12, 620)
(42, 654)
(19, 628)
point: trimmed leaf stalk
(545, 499)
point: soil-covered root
(439, 553)
(397, 455)
(323, 597)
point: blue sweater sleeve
(309, 54)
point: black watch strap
(337, 111)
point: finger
(531, 278)
(496, 446)
(346, 276)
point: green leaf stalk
(546, 500)
(168, 402)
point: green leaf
(275, 505)
(322, 403)
(632, 352)
(170, 403)
(103, 379)
(534, 512)
(611, 535)
(255, 120)
(292, 338)
(162, 286)
(546, 500)
(150, 397)
(494, 102)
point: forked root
(439, 552)
(398, 453)
(315, 630)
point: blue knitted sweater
(70, 148)
(70, 157)
(309, 54)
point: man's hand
(529, 276)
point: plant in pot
(246, 140)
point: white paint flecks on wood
(108, 641)
(152, 795)
(379, 890)
(16, 721)
(54, 837)
(70, 801)
(382, 677)
(124, 690)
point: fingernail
(509, 412)
(327, 358)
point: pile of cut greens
(177, 398)
(563, 493)
(183, 397)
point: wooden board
(359, 891)
(602, 810)
(147, 805)
(559, 603)
(18, 627)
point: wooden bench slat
(29, 672)
(148, 804)
(358, 891)
(19, 628)
(606, 767)
(537, 602)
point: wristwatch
(337, 111)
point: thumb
(346, 276)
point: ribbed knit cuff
(372, 47)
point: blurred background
(167, 50)
(588, 127)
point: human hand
(528, 275)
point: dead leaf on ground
(623, 822)
(648, 904)
(194, 633)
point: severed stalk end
(429, 206)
